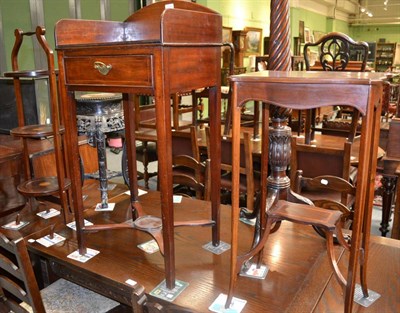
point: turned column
(279, 132)
(100, 142)
(279, 138)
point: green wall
(119, 9)
(90, 10)
(16, 15)
(391, 33)
(239, 14)
(54, 10)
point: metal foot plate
(361, 300)
(162, 292)
(221, 248)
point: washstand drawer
(121, 70)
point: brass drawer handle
(103, 69)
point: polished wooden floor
(299, 278)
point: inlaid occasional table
(284, 90)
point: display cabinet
(385, 53)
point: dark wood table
(335, 141)
(312, 89)
(298, 266)
(159, 50)
(150, 135)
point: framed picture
(307, 34)
(253, 42)
(226, 37)
(301, 31)
(318, 35)
(226, 34)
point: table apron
(304, 96)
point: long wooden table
(299, 279)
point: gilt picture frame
(226, 34)
(307, 35)
(253, 42)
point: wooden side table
(154, 51)
(311, 89)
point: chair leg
(388, 191)
(308, 126)
(145, 165)
(175, 111)
(256, 127)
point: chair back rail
(21, 281)
(335, 53)
(334, 50)
(188, 170)
(314, 161)
(249, 179)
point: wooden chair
(202, 93)
(390, 171)
(339, 127)
(55, 187)
(20, 291)
(179, 108)
(324, 176)
(334, 55)
(145, 116)
(247, 119)
(249, 184)
(397, 103)
(310, 161)
(189, 173)
(390, 107)
(390, 100)
(146, 153)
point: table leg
(101, 155)
(388, 190)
